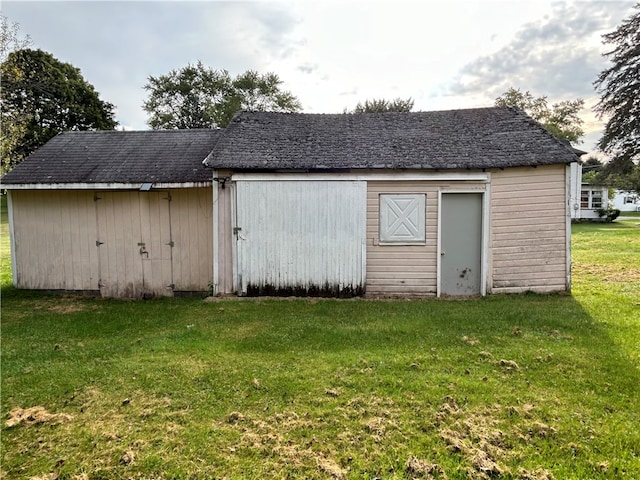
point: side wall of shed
(529, 234)
(54, 234)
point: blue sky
(331, 54)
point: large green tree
(197, 96)
(619, 87)
(41, 97)
(561, 119)
(382, 105)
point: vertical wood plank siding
(401, 269)
(225, 237)
(300, 237)
(55, 240)
(192, 233)
(55, 234)
(528, 229)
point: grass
(526, 386)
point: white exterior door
(300, 237)
(134, 244)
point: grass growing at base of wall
(525, 386)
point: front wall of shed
(528, 238)
(529, 232)
(406, 270)
(55, 234)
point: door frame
(484, 247)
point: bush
(609, 214)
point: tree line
(42, 96)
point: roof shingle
(152, 156)
(494, 137)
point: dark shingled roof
(153, 156)
(495, 137)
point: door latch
(143, 250)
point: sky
(445, 54)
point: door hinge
(168, 197)
(237, 229)
(171, 244)
(98, 243)
(96, 197)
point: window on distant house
(402, 219)
(584, 198)
(591, 199)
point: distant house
(448, 203)
(626, 201)
(586, 200)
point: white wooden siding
(528, 229)
(301, 237)
(54, 240)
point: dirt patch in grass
(417, 468)
(609, 272)
(33, 416)
(270, 438)
(485, 441)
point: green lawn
(525, 386)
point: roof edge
(103, 186)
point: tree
(619, 87)
(561, 119)
(200, 97)
(41, 97)
(590, 168)
(10, 38)
(382, 105)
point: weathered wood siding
(529, 229)
(226, 238)
(401, 269)
(300, 237)
(192, 234)
(54, 235)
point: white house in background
(626, 201)
(586, 199)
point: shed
(446, 203)
(128, 214)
